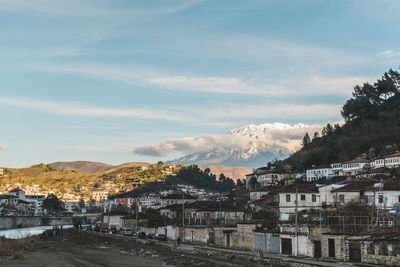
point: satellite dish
(396, 206)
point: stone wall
(268, 261)
(341, 247)
(376, 258)
(243, 237)
(196, 235)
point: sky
(93, 80)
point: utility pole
(137, 213)
(297, 237)
(220, 215)
(183, 215)
(320, 226)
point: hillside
(234, 173)
(372, 128)
(92, 166)
(73, 185)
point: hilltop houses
(319, 172)
(358, 166)
(100, 195)
(265, 176)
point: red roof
(393, 155)
(16, 190)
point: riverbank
(20, 233)
(96, 249)
(13, 222)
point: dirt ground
(91, 250)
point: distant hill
(234, 173)
(372, 128)
(92, 166)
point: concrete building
(337, 169)
(177, 198)
(385, 196)
(307, 198)
(100, 195)
(18, 193)
(377, 163)
(265, 176)
(354, 166)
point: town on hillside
(348, 211)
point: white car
(126, 231)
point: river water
(29, 231)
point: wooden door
(331, 247)
(286, 244)
(355, 251)
(317, 249)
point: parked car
(113, 229)
(126, 231)
(141, 235)
(151, 235)
(104, 227)
(161, 237)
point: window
(313, 198)
(287, 198)
(371, 199)
(380, 199)
(341, 198)
(398, 199)
(303, 197)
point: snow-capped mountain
(252, 146)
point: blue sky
(93, 80)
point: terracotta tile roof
(393, 155)
(301, 188)
(356, 161)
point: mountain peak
(252, 145)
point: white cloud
(3, 147)
(222, 117)
(276, 111)
(390, 53)
(216, 84)
(80, 110)
(288, 140)
(86, 9)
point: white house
(386, 196)
(337, 169)
(266, 176)
(18, 193)
(378, 163)
(318, 172)
(354, 166)
(351, 190)
(307, 198)
(393, 160)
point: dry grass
(16, 247)
(18, 255)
